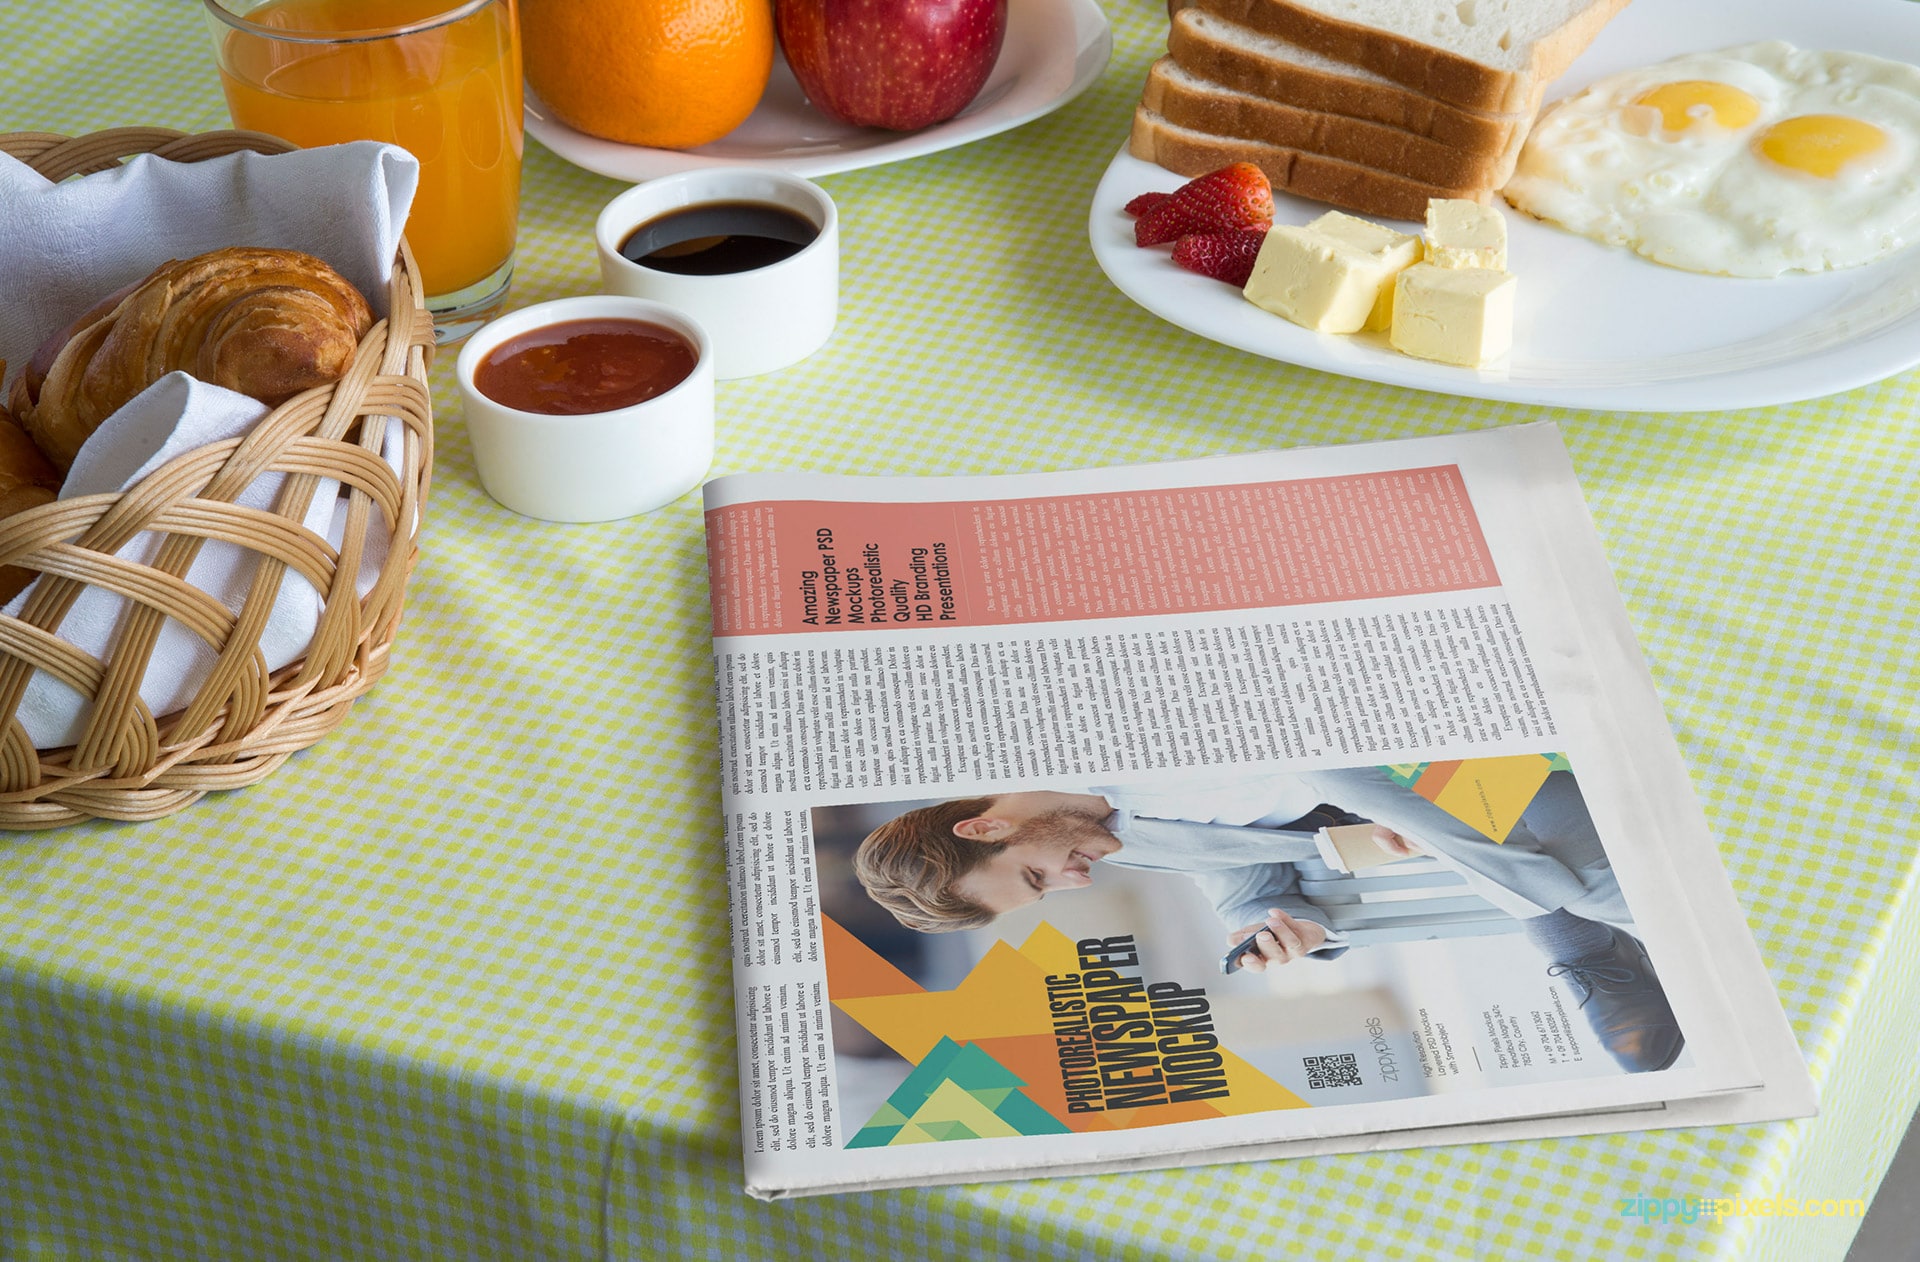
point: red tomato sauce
(581, 366)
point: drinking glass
(439, 78)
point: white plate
(1053, 50)
(1598, 327)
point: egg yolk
(1819, 144)
(1689, 101)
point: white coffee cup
(761, 319)
(601, 465)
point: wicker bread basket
(244, 721)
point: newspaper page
(1269, 805)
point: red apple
(900, 64)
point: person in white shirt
(1248, 843)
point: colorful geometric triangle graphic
(1487, 794)
(1000, 1010)
(957, 1092)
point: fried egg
(1751, 161)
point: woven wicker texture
(242, 721)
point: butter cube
(1362, 234)
(1461, 233)
(1396, 249)
(1457, 315)
(1321, 281)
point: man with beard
(1249, 845)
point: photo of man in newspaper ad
(1388, 931)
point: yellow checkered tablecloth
(455, 983)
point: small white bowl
(761, 319)
(601, 465)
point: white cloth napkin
(64, 246)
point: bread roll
(27, 480)
(265, 323)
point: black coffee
(719, 237)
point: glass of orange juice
(439, 78)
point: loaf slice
(1244, 60)
(1186, 100)
(1348, 185)
(1490, 55)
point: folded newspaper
(1052, 804)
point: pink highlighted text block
(808, 565)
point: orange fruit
(670, 74)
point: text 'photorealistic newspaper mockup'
(1273, 805)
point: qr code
(1331, 1071)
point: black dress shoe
(1625, 1004)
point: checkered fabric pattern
(478, 1005)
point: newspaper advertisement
(1189, 812)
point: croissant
(265, 323)
(27, 480)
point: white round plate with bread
(1054, 49)
(1598, 327)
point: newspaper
(1274, 805)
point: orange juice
(449, 94)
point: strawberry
(1226, 256)
(1145, 202)
(1236, 196)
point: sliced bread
(1490, 55)
(1241, 58)
(1349, 185)
(1186, 100)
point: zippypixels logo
(1692, 1209)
